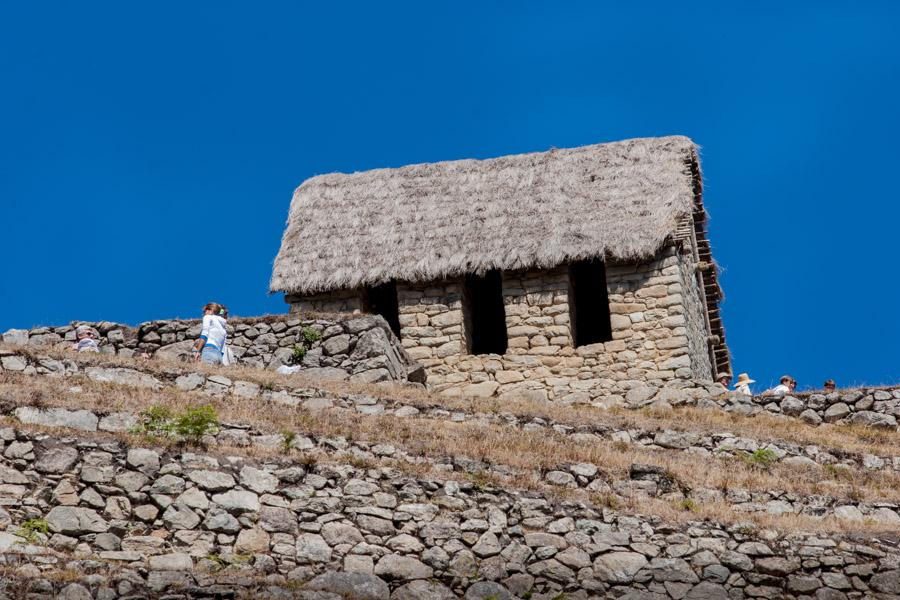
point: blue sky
(148, 151)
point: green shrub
(289, 437)
(191, 424)
(31, 528)
(687, 505)
(310, 335)
(298, 354)
(156, 420)
(195, 422)
(763, 458)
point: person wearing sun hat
(742, 385)
(724, 378)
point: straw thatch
(430, 221)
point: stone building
(570, 274)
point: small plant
(763, 458)
(267, 386)
(298, 354)
(195, 422)
(310, 335)
(191, 424)
(687, 505)
(32, 528)
(839, 472)
(560, 596)
(156, 420)
(288, 438)
(217, 560)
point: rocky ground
(306, 490)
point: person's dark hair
(217, 309)
(829, 383)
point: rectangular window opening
(485, 316)
(381, 300)
(589, 303)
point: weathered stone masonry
(656, 313)
(361, 348)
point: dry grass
(528, 481)
(764, 427)
(495, 444)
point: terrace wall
(361, 348)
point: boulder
(212, 481)
(55, 460)
(123, 376)
(177, 561)
(252, 541)
(707, 591)
(237, 501)
(487, 590)
(421, 589)
(178, 516)
(74, 520)
(886, 581)
(143, 460)
(619, 567)
(58, 417)
(361, 586)
(836, 412)
(311, 548)
(869, 418)
(395, 566)
(258, 480)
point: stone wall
(360, 347)
(694, 312)
(125, 518)
(339, 301)
(871, 407)
(656, 320)
(586, 430)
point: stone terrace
(278, 515)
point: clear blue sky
(148, 151)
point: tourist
(724, 379)
(743, 384)
(829, 386)
(211, 344)
(786, 386)
(85, 340)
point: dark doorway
(484, 314)
(381, 300)
(589, 303)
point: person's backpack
(227, 355)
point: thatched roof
(430, 221)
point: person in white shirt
(786, 386)
(743, 384)
(85, 340)
(211, 343)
